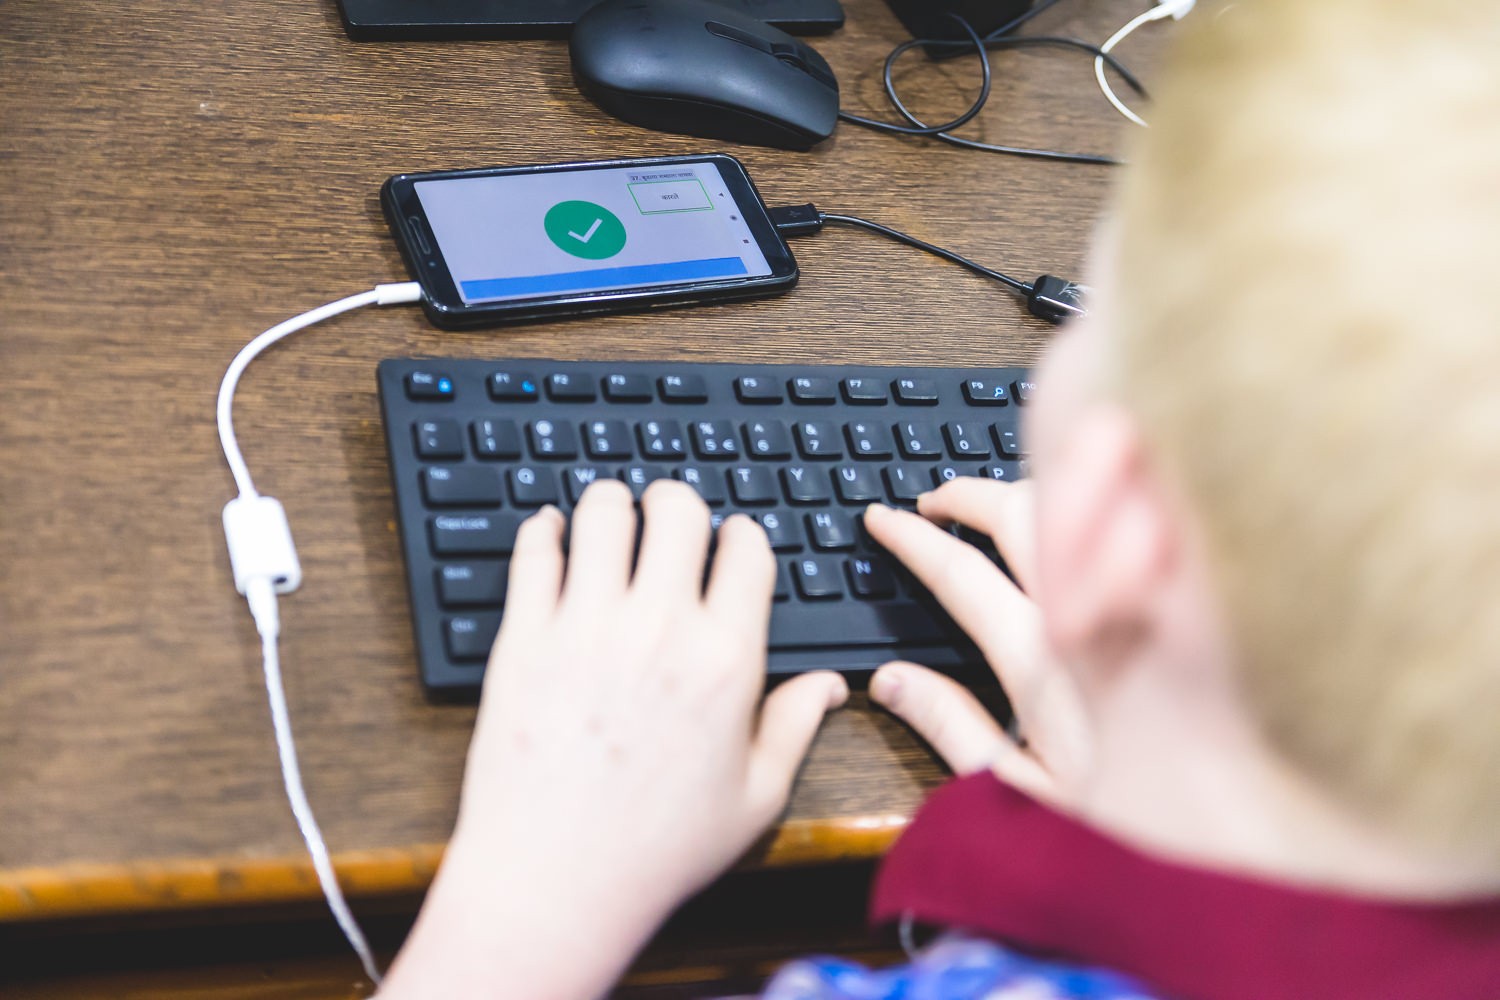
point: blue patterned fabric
(953, 968)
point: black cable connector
(1057, 300)
(792, 221)
(1050, 298)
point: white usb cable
(1165, 8)
(265, 564)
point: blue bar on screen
(636, 274)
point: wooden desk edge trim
(90, 889)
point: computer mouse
(701, 68)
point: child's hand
(1006, 626)
(622, 757)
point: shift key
(473, 535)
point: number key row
(715, 440)
(744, 485)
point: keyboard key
(581, 477)
(945, 474)
(783, 591)
(715, 439)
(767, 439)
(906, 482)
(753, 484)
(795, 625)
(638, 477)
(819, 439)
(1025, 390)
(708, 483)
(628, 389)
(985, 392)
(438, 439)
(781, 530)
(813, 391)
(1008, 441)
(608, 439)
(868, 439)
(461, 486)
(830, 529)
(661, 439)
(532, 486)
(469, 637)
(757, 389)
(805, 485)
(919, 440)
(870, 578)
(473, 535)
(865, 391)
(1007, 472)
(471, 583)
(512, 387)
(967, 439)
(817, 579)
(429, 387)
(571, 387)
(916, 391)
(552, 439)
(495, 438)
(856, 484)
(683, 388)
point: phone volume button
(415, 225)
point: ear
(1107, 544)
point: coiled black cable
(995, 39)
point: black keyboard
(475, 446)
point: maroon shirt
(986, 858)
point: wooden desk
(178, 177)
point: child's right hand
(1004, 623)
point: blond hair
(1305, 324)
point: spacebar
(852, 623)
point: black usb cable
(1048, 297)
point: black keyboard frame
(469, 399)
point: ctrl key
(469, 637)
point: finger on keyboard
(1000, 619)
(1003, 511)
(602, 544)
(675, 542)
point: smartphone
(516, 243)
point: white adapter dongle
(260, 544)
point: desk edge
(90, 889)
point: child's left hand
(622, 757)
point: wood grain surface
(178, 177)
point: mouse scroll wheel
(788, 54)
(738, 35)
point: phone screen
(526, 235)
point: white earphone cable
(1165, 8)
(265, 564)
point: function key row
(715, 440)
(578, 387)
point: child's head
(1297, 313)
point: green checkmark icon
(584, 229)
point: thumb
(789, 720)
(945, 714)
